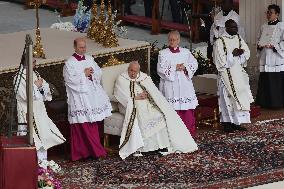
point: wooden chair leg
(216, 118)
(106, 140)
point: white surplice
(177, 86)
(45, 132)
(233, 82)
(219, 21)
(270, 61)
(87, 101)
(149, 124)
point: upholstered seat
(112, 124)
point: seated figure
(150, 122)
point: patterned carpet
(234, 160)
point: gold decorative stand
(38, 48)
(100, 29)
(93, 28)
(110, 39)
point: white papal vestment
(45, 132)
(149, 124)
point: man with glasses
(270, 49)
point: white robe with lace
(177, 86)
(87, 101)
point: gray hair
(175, 33)
(133, 63)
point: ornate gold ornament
(110, 39)
(38, 48)
(112, 62)
(93, 28)
(100, 29)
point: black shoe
(228, 127)
(163, 150)
(238, 127)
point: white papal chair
(113, 124)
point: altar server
(150, 122)
(270, 48)
(176, 67)
(45, 133)
(88, 103)
(218, 26)
(230, 55)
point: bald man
(150, 122)
(176, 67)
(88, 103)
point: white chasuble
(87, 101)
(149, 124)
(45, 132)
(233, 82)
(175, 85)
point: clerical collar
(173, 50)
(273, 22)
(225, 34)
(79, 57)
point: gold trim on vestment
(35, 128)
(57, 135)
(233, 87)
(228, 71)
(132, 117)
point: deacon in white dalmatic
(176, 67)
(230, 56)
(150, 122)
(88, 103)
(45, 132)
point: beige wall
(252, 16)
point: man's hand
(238, 52)
(39, 82)
(142, 96)
(89, 71)
(180, 67)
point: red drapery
(18, 164)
